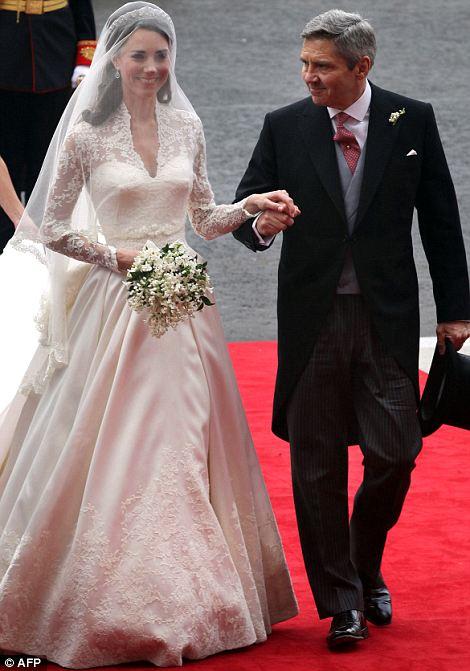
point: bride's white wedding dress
(134, 520)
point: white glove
(79, 72)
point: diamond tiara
(146, 13)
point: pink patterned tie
(347, 141)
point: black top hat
(446, 396)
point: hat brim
(446, 396)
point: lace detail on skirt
(144, 587)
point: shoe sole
(347, 640)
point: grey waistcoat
(351, 187)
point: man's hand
(457, 332)
(274, 220)
(279, 211)
(271, 223)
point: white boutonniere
(394, 116)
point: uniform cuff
(85, 52)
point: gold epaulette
(32, 6)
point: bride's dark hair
(110, 88)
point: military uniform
(41, 42)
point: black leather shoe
(347, 627)
(378, 605)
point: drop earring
(117, 74)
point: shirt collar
(359, 108)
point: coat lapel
(316, 129)
(381, 137)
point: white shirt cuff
(265, 241)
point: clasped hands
(278, 211)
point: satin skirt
(134, 519)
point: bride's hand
(125, 259)
(276, 201)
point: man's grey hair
(352, 35)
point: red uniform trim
(85, 52)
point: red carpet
(427, 561)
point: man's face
(330, 81)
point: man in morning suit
(356, 160)
(45, 47)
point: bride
(134, 520)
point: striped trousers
(350, 383)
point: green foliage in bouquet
(169, 284)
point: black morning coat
(296, 152)
(37, 54)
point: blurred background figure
(9, 201)
(46, 47)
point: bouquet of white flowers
(169, 283)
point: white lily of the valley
(394, 116)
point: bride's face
(144, 63)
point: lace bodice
(129, 206)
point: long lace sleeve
(208, 219)
(57, 232)
(78, 247)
